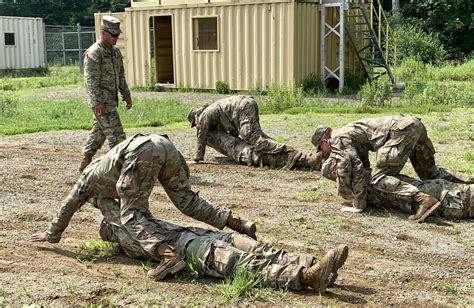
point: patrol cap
(110, 24)
(318, 135)
(328, 166)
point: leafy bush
(412, 69)
(412, 42)
(282, 97)
(376, 93)
(432, 93)
(222, 87)
(353, 83)
(312, 85)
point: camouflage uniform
(219, 254)
(237, 115)
(281, 157)
(394, 139)
(104, 77)
(128, 172)
(457, 200)
(400, 191)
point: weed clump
(222, 87)
(376, 93)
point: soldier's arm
(61, 221)
(123, 86)
(352, 182)
(175, 182)
(202, 130)
(92, 73)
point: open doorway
(163, 49)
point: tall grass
(411, 69)
(58, 76)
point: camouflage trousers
(104, 127)
(243, 153)
(250, 130)
(457, 200)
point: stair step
(356, 15)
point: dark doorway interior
(163, 35)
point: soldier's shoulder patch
(93, 56)
(93, 52)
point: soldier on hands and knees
(236, 115)
(394, 139)
(120, 183)
(104, 77)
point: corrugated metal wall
(28, 51)
(255, 45)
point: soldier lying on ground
(395, 139)
(220, 254)
(243, 153)
(124, 178)
(456, 199)
(237, 115)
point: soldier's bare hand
(100, 110)
(38, 237)
(129, 103)
(351, 209)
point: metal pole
(64, 49)
(44, 45)
(79, 44)
(342, 46)
(323, 45)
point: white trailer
(21, 43)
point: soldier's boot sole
(340, 254)
(422, 218)
(168, 271)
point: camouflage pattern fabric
(219, 254)
(128, 172)
(394, 139)
(104, 76)
(457, 200)
(281, 156)
(237, 115)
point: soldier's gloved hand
(38, 237)
(100, 110)
(242, 226)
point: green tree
(451, 20)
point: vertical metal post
(342, 45)
(44, 45)
(323, 45)
(64, 48)
(79, 44)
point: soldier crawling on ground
(394, 139)
(104, 77)
(236, 115)
(456, 199)
(128, 172)
(123, 179)
(243, 153)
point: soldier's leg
(230, 146)
(220, 259)
(112, 127)
(95, 139)
(423, 161)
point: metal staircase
(369, 33)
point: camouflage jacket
(104, 75)
(350, 145)
(223, 115)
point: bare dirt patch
(391, 261)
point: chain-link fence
(64, 45)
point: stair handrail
(384, 31)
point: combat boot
(170, 263)
(86, 160)
(242, 226)
(426, 206)
(340, 254)
(317, 276)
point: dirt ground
(391, 261)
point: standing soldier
(104, 77)
(237, 115)
(394, 139)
